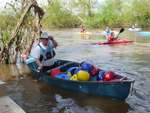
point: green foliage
(9, 18)
(92, 22)
(85, 6)
(57, 16)
(7, 22)
(113, 13)
(5, 37)
(116, 13)
(141, 12)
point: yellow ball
(83, 75)
(74, 77)
(69, 74)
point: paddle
(121, 30)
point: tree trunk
(11, 50)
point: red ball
(94, 71)
(55, 72)
(109, 75)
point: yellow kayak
(85, 33)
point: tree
(15, 41)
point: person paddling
(82, 29)
(107, 31)
(112, 36)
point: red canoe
(118, 41)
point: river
(132, 60)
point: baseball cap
(44, 35)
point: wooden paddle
(121, 30)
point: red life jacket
(110, 38)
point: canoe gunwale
(96, 82)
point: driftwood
(39, 13)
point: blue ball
(100, 76)
(86, 66)
(72, 70)
(63, 76)
(76, 70)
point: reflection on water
(131, 60)
(11, 72)
(86, 103)
(41, 98)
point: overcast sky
(3, 2)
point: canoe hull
(117, 89)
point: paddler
(111, 37)
(82, 29)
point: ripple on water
(130, 60)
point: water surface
(132, 60)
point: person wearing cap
(41, 55)
(111, 37)
(107, 31)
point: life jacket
(110, 38)
(82, 30)
(45, 54)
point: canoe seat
(63, 66)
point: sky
(3, 2)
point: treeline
(97, 14)
(91, 13)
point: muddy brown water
(132, 60)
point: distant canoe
(118, 88)
(134, 29)
(144, 33)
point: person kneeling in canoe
(41, 56)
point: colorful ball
(109, 75)
(71, 71)
(83, 75)
(101, 75)
(86, 66)
(63, 76)
(55, 72)
(94, 71)
(74, 77)
(77, 70)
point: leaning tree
(27, 28)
